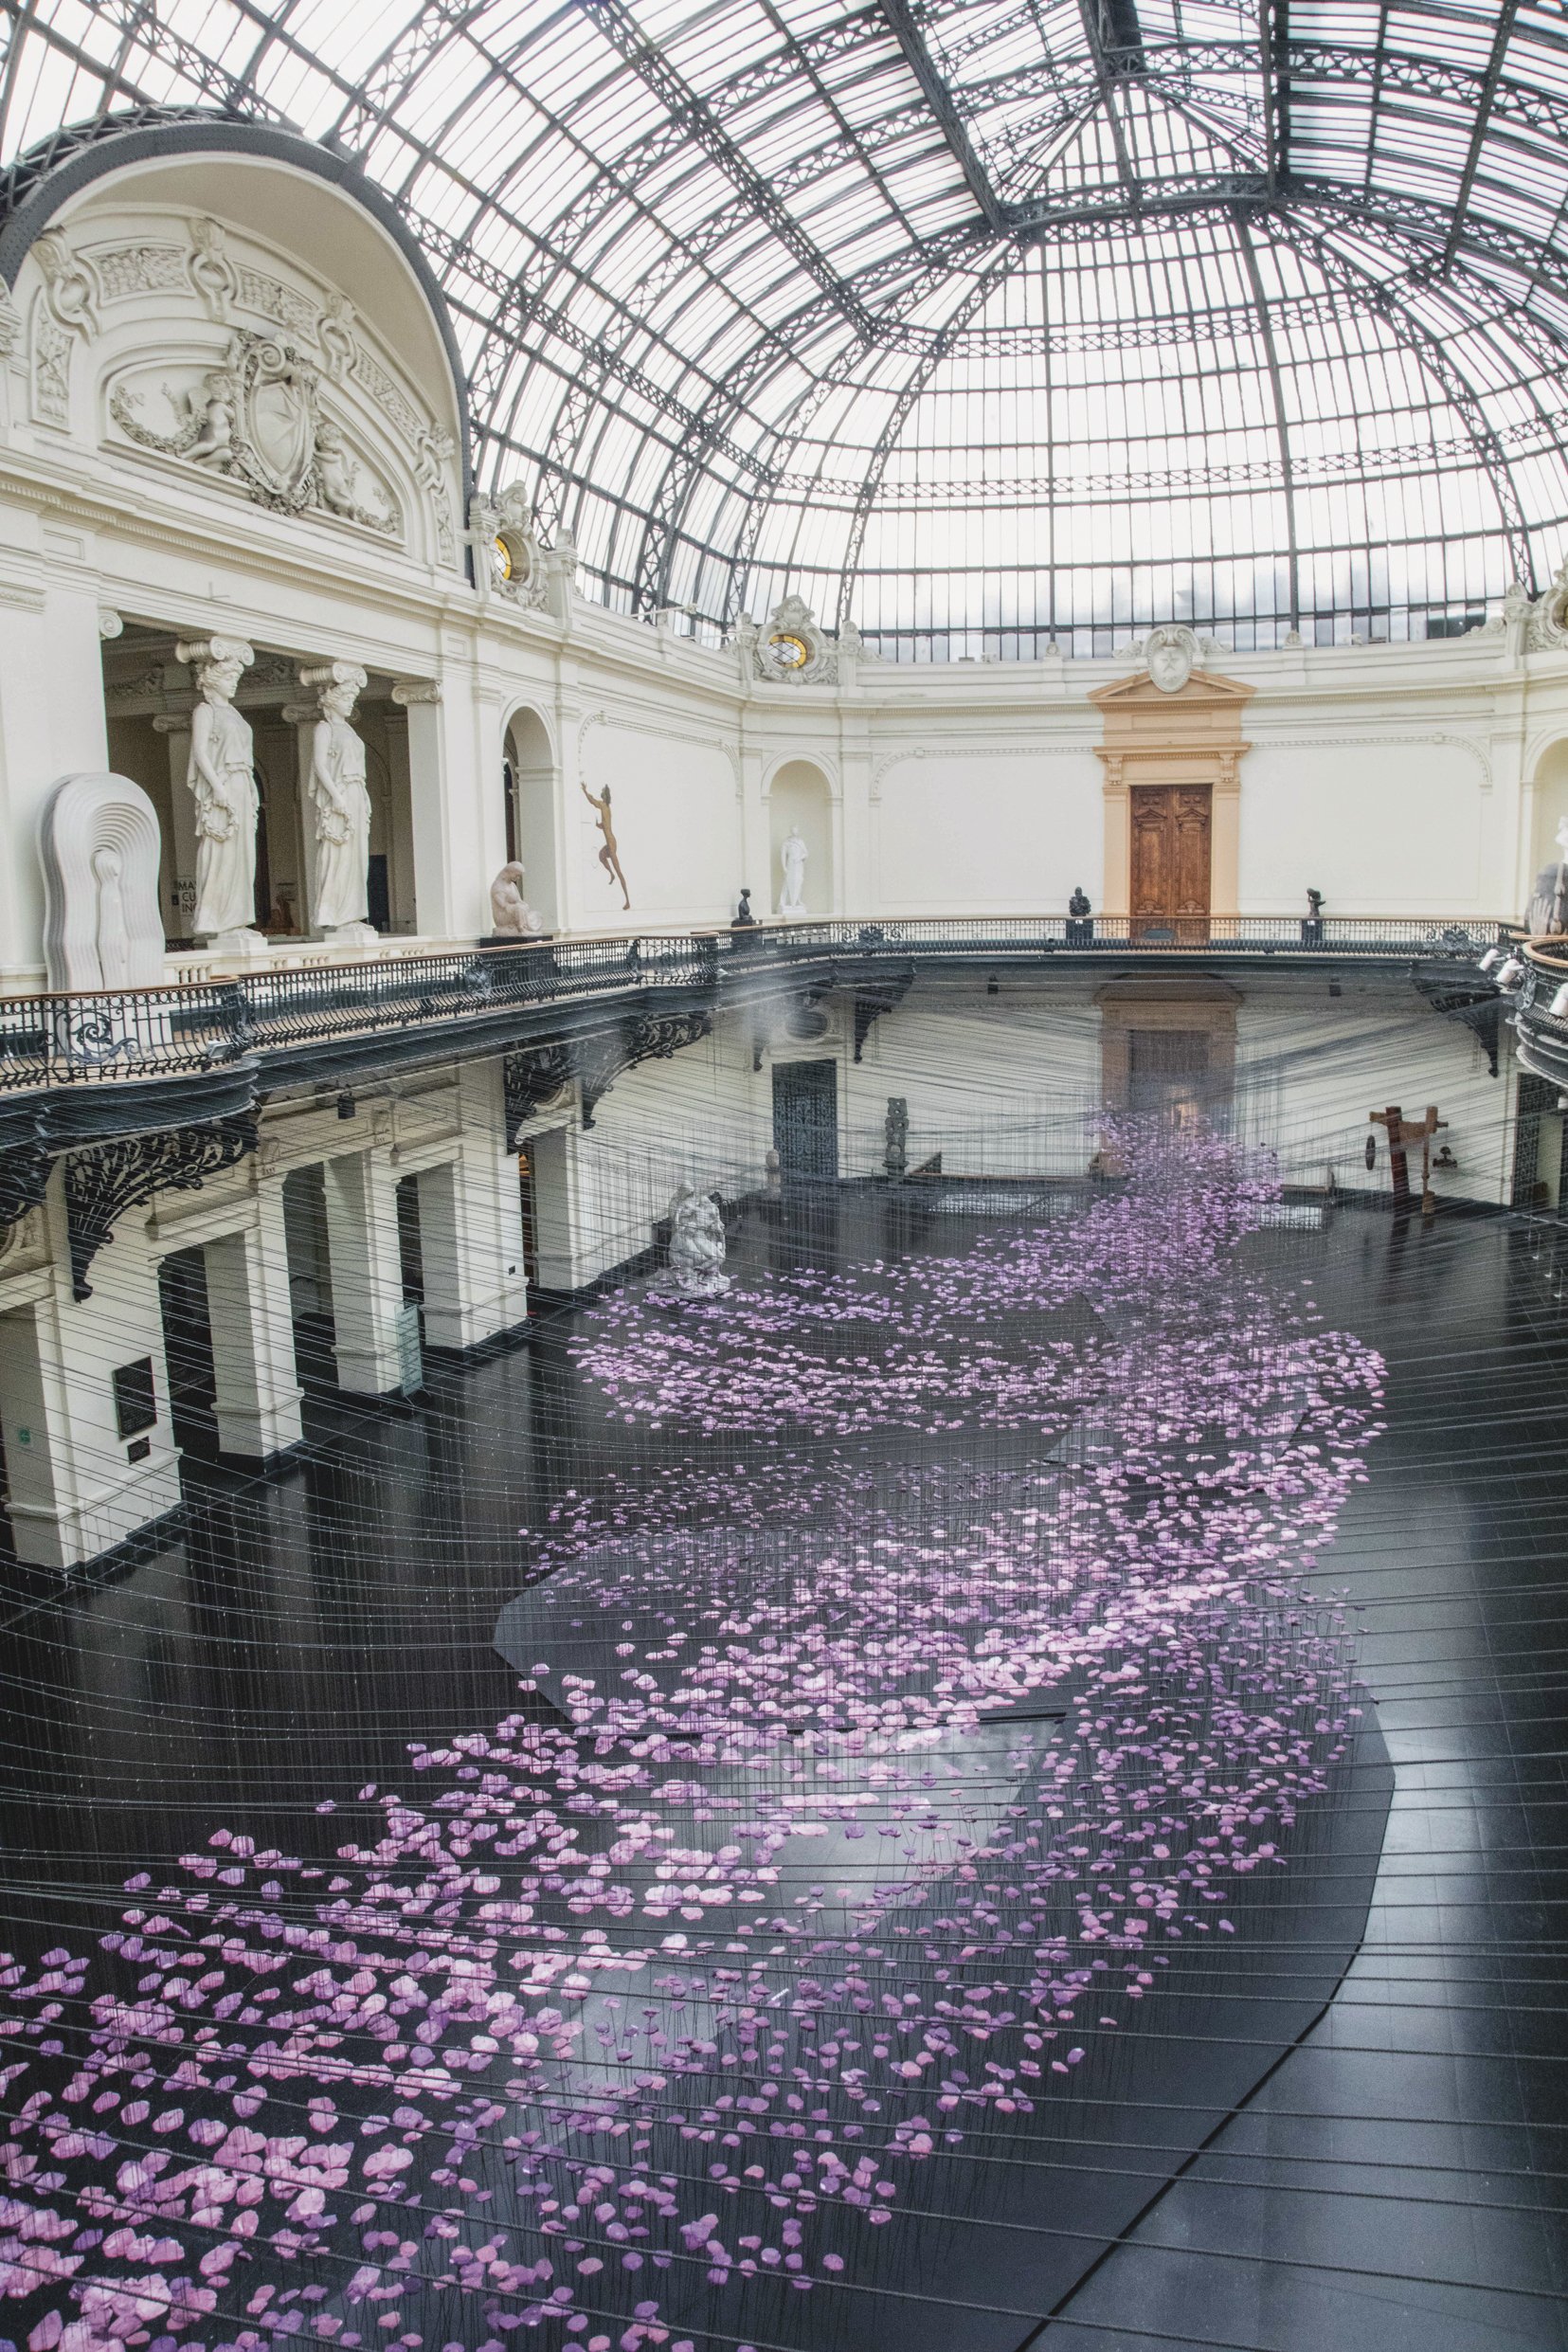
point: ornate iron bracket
(1480, 1009)
(537, 1074)
(531, 1080)
(102, 1185)
(870, 1004)
(24, 1179)
(648, 1036)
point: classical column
(420, 699)
(172, 722)
(471, 1229)
(366, 1270)
(258, 1392)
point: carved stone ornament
(696, 1246)
(505, 540)
(1546, 629)
(259, 422)
(792, 650)
(1171, 653)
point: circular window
(791, 652)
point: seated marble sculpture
(696, 1245)
(99, 844)
(511, 916)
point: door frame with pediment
(1188, 738)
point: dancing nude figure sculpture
(609, 856)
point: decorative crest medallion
(259, 422)
(792, 647)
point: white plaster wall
(675, 811)
(1380, 825)
(989, 829)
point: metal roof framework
(984, 322)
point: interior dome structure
(984, 324)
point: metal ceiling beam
(1096, 21)
(1506, 14)
(1275, 16)
(888, 439)
(939, 98)
(1437, 355)
(653, 69)
(393, 73)
(1282, 420)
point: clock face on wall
(791, 652)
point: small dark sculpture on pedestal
(895, 1134)
(1080, 927)
(743, 919)
(1311, 930)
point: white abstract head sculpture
(99, 845)
(1170, 652)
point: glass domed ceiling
(981, 322)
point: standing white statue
(222, 776)
(793, 857)
(696, 1244)
(341, 800)
(1548, 914)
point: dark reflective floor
(1399, 2181)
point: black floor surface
(1400, 2179)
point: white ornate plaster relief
(279, 413)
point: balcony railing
(53, 1040)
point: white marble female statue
(793, 857)
(342, 805)
(222, 776)
(511, 916)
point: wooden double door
(1172, 849)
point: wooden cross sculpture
(1403, 1133)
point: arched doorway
(528, 780)
(801, 800)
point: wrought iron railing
(1247, 935)
(54, 1039)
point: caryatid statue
(221, 777)
(342, 802)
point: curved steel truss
(982, 322)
